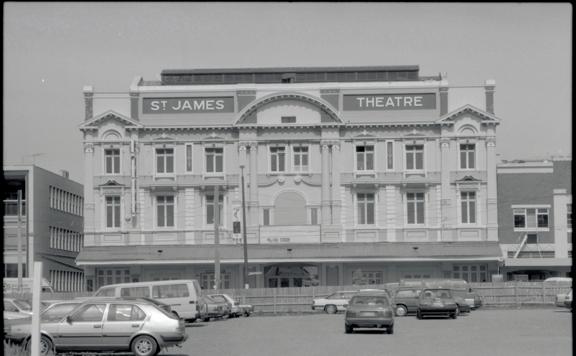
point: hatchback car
(107, 325)
(209, 308)
(369, 310)
(21, 308)
(333, 303)
(437, 302)
(236, 309)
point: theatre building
(352, 175)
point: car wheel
(247, 314)
(454, 315)
(457, 311)
(144, 345)
(331, 309)
(348, 329)
(46, 346)
(419, 314)
(205, 319)
(401, 310)
(390, 329)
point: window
(569, 216)
(277, 159)
(106, 276)
(467, 156)
(164, 160)
(207, 280)
(125, 312)
(266, 217)
(165, 211)
(288, 119)
(135, 292)
(90, 312)
(300, 158)
(112, 211)
(188, 158)
(470, 273)
(214, 160)
(530, 218)
(170, 291)
(364, 158)
(366, 277)
(468, 206)
(365, 208)
(390, 155)
(112, 160)
(415, 208)
(414, 157)
(210, 209)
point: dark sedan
(437, 302)
(369, 310)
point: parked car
(406, 300)
(209, 308)
(15, 305)
(568, 300)
(334, 302)
(437, 302)
(369, 309)
(236, 309)
(106, 325)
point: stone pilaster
(89, 204)
(134, 106)
(446, 203)
(88, 102)
(561, 201)
(253, 202)
(443, 97)
(325, 192)
(491, 199)
(489, 88)
(335, 189)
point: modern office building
(49, 227)
(535, 217)
(353, 175)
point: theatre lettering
(390, 102)
(188, 105)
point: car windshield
(439, 293)
(58, 311)
(23, 305)
(218, 298)
(369, 300)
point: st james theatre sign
(424, 101)
(187, 105)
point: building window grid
(364, 157)
(66, 201)
(468, 207)
(415, 206)
(569, 216)
(112, 160)
(164, 160)
(278, 159)
(301, 158)
(366, 208)
(210, 209)
(414, 157)
(467, 156)
(113, 212)
(531, 218)
(214, 160)
(165, 206)
(189, 157)
(389, 155)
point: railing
(11, 208)
(299, 300)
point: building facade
(535, 217)
(353, 175)
(50, 228)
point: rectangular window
(364, 158)
(300, 158)
(415, 208)
(530, 218)
(112, 211)
(414, 157)
(164, 160)
(390, 155)
(112, 158)
(468, 205)
(165, 211)
(365, 208)
(288, 119)
(569, 216)
(188, 158)
(277, 159)
(214, 160)
(467, 156)
(210, 209)
(266, 217)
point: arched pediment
(330, 114)
(485, 117)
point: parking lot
(484, 332)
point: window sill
(535, 229)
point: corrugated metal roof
(289, 70)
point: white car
(333, 303)
(236, 309)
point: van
(181, 294)
(11, 285)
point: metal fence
(299, 300)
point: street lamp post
(246, 286)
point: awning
(278, 253)
(538, 262)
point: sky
(52, 50)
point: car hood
(359, 308)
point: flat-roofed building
(353, 175)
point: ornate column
(253, 201)
(335, 191)
(325, 193)
(88, 102)
(491, 201)
(445, 220)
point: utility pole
(19, 237)
(216, 237)
(246, 285)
